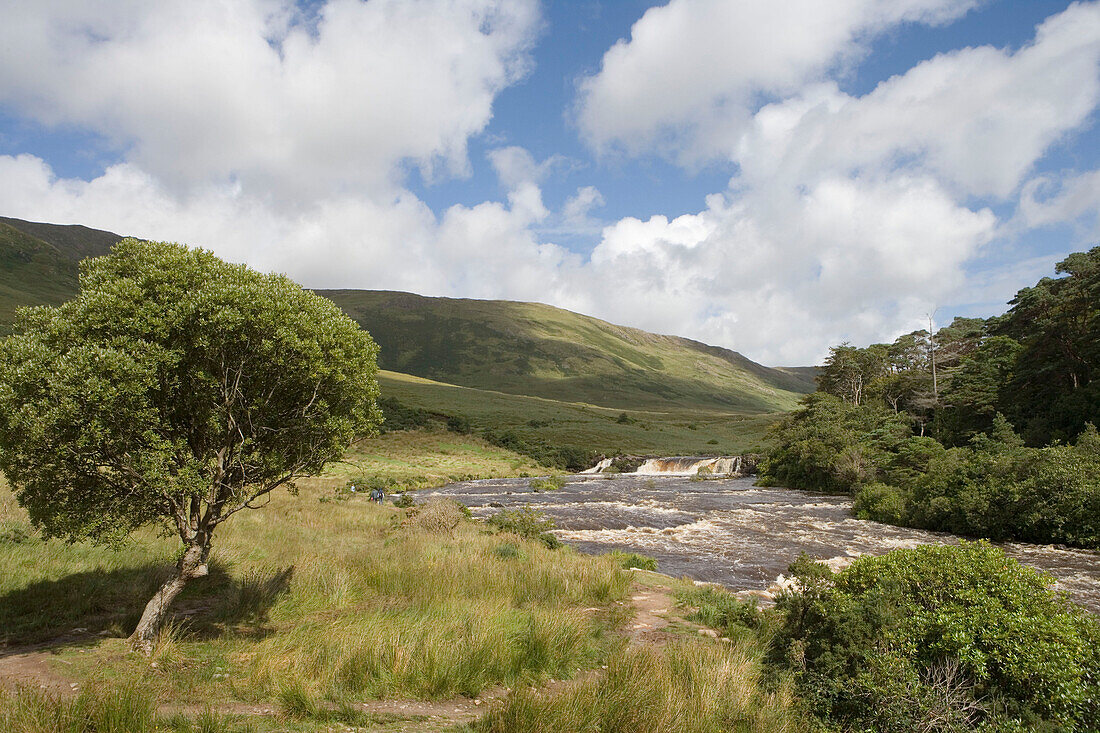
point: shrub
(405, 501)
(550, 483)
(956, 633)
(881, 503)
(438, 516)
(526, 522)
(628, 560)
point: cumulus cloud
(978, 118)
(1045, 201)
(283, 141)
(199, 90)
(689, 78)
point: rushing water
(731, 532)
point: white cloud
(282, 143)
(1044, 201)
(846, 260)
(201, 90)
(692, 72)
(978, 118)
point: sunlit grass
(686, 687)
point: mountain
(39, 263)
(539, 350)
(505, 346)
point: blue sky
(773, 177)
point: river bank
(734, 533)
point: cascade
(680, 466)
(599, 467)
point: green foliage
(526, 522)
(832, 446)
(567, 457)
(972, 398)
(175, 381)
(849, 371)
(1053, 390)
(550, 483)
(720, 609)
(628, 560)
(881, 503)
(1000, 489)
(960, 634)
(405, 501)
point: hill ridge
(511, 346)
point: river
(732, 532)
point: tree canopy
(175, 389)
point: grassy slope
(683, 431)
(315, 604)
(32, 272)
(534, 349)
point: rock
(709, 633)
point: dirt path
(657, 620)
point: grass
(423, 459)
(684, 687)
(680, 431)
(536, 349)
(323, 602)
(313, 605)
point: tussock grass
(720, 609)
(336, 600)
(695, 687)
(118, 710)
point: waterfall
(599, 467)
(681, 466)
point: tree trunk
(191, 565)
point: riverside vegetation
(317, 610)
(986, 428)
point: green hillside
(38, 263)
(603, 430)
(535, 349)
(508, 347)
(32, 272)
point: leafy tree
(849, 371)
(972, 398)
(1055, 390)
(832, 446)
(176, 389)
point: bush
(628, 560)
(438, 516)
(550, 483)
(405, 501)
(955, 633)
(881, 503)
(526, 522)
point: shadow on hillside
(104, 603)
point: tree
(849, 371)
(176, 389)
(1054, 391)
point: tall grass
(341, 600)
(688, 687)
(118, 710)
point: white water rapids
(731, 532)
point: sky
(772, 176)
